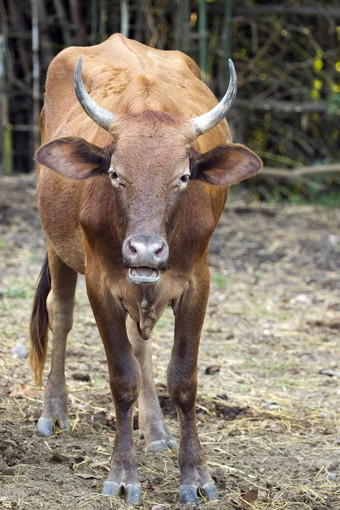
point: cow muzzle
(145, 257)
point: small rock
(301, 298)
(81, 377)
(57, 457)
(20, 351)
(324, 463)
(213, 369)
(272, 406)
(333, 240)
(34, 492)
(9, 471)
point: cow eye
(115, 179)
(184, 179)
(113, 174)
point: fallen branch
(282, 106)
(299, 172)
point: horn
(208, 120)
(99, 115)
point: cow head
(150, 162)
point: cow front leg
(151, 421)
(182, 385)
(60, 302)
(125, 382)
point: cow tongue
(143, 271)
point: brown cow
(138, 229)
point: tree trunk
(124, 17)
(36, 73)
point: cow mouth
(144, 274)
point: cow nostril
(161, 253)
(131, 247)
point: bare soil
(268, 397)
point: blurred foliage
(323, 189)
(287, 56)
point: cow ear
(75, 157)
(225, 165)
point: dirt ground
(269, 370)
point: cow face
(150, 163)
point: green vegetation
(16, 293)
(219, 280)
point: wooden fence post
(202, 28)
(6, 145)
(36, 73)
(124, 17)
(2, 99)
(223, 68)
(182, 26)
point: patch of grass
(2, 243)
(280, 368)
(18, 288)
(96, 382)
(219, 280)
(228, 349)
(275, 314)
(162, 323)
(166, 320)
(248, 360)
(16, 293)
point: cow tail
(39, 323)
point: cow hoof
(46, 426)
(173, 445)
(162, 446)
(188, 494)
(133, 491)
(209, 492)
(110, 488)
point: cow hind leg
(151, 421)
(59, 309)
